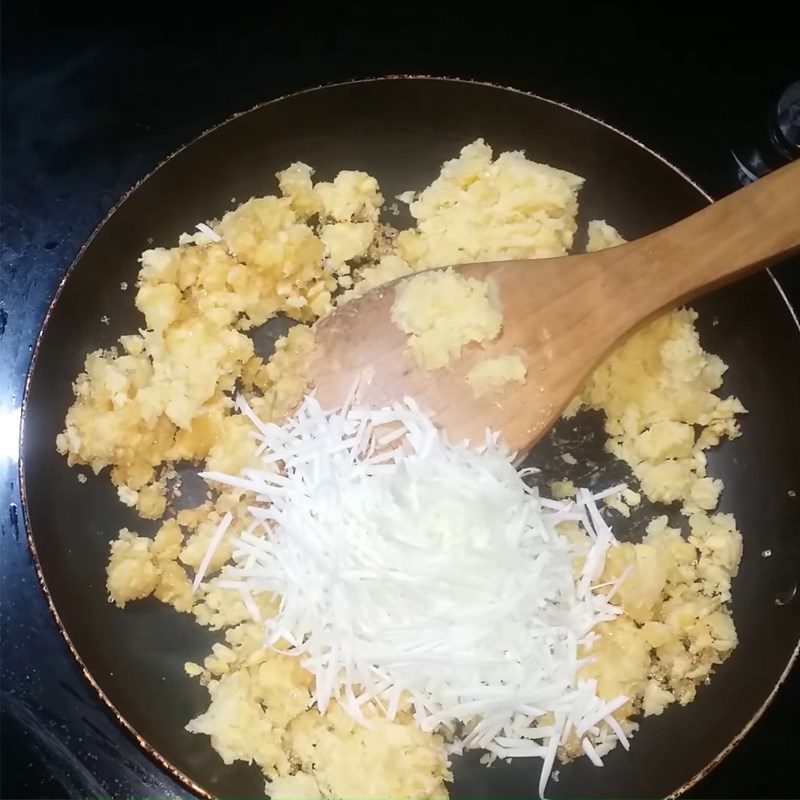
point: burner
(776, 143)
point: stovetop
(93, 99)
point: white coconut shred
(409, 567)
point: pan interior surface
(400, 131)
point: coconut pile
(411, 569)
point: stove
(92, 100)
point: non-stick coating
(400, 130)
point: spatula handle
(747, 230)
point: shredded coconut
(409, 567)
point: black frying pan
(400, 130)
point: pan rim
(160, 760)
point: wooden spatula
(563, 315)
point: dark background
(93, 97)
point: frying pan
(401, 130)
